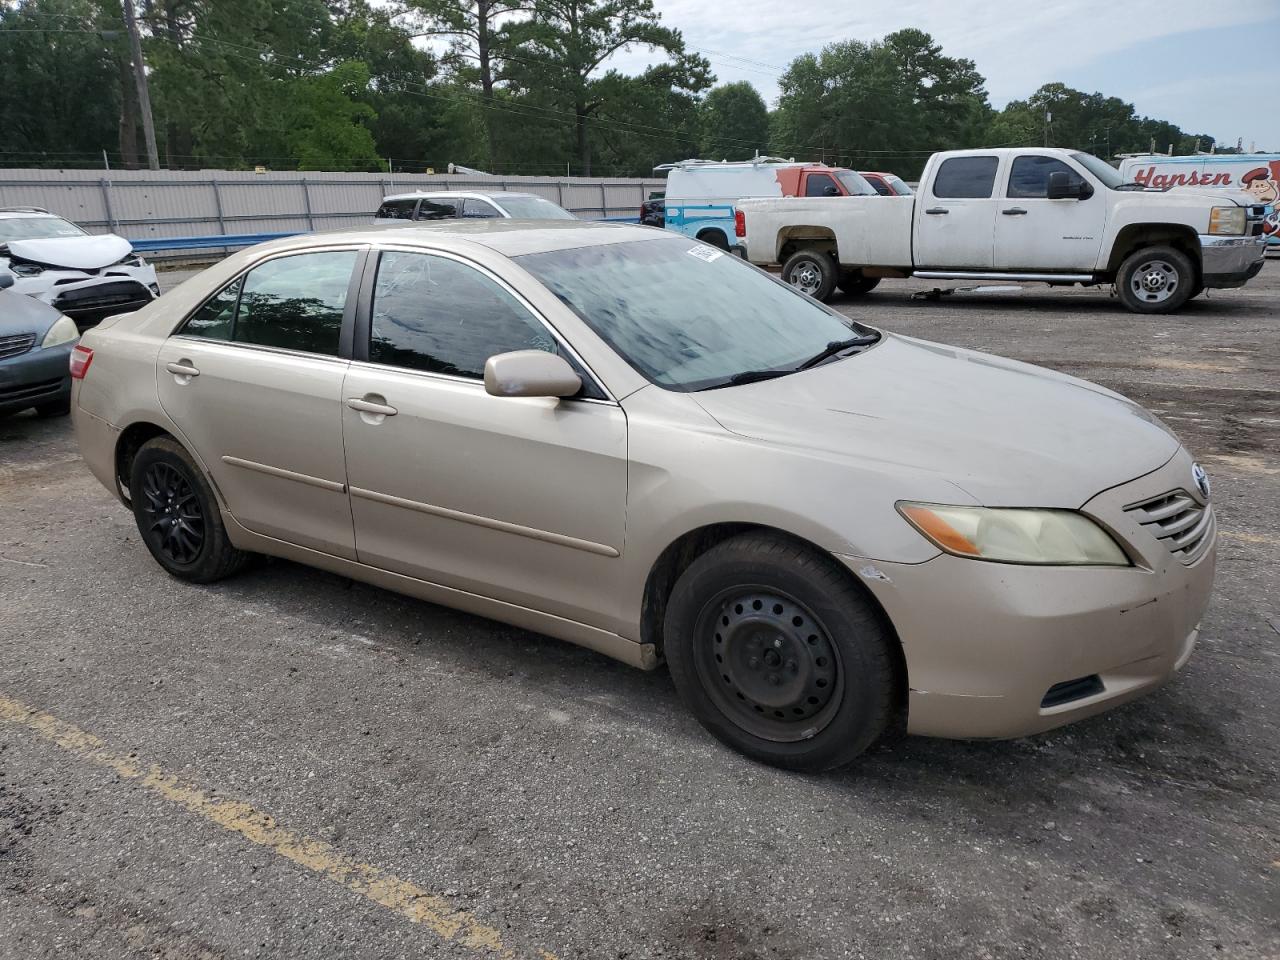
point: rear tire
(812, 272)
(854, 284)
(1156, 280)
(779, 655)
(716, 238)
(178, 516)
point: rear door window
(966, 177)
(296, 303)
(439, 210)
(881, 187)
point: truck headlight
(64, 330)
(26, 269)
(1015, 535)
(1227, 220)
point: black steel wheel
(177, 514)
(780, 654)
(172, 514)
(769, 663)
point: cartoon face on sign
(1261, 183)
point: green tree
(60, 96)
(886, 103)
(566, 42)
(735, 122)
(480, 42)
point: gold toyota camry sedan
(640, 444)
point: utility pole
(1048, 121)
(144, 93)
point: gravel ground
(517, 796)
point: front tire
(1156, 280)
(812, 272)
(779, 655)
(178, 516)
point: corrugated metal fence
(157, 204)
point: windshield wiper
(838, 346)
(751, 376)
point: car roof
(473, 194)
(29, 215)
(510, 238)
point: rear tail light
(81, 357)
(739, 223)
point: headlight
(26, 269)
(64, 330)
(1227, 220)
(132, 260)
(1009, 535)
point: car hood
(21, 314)
(75, 253)
(1007, 433)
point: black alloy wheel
(171, 514)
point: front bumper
(1231, 261)
(89, 297)
(1004, 650)
(35, 378)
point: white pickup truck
(1044, 215)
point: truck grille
(1179, 521)
(16, 345)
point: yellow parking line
(400, 896)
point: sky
(1208, 67)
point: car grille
(1179, 521)
(91, 304)
(16, 345)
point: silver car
(640, 444)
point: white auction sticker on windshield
(705, 253)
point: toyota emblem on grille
(1201, 478)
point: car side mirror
(530, 373)
(1063, 186)
(6, 281)
(831, 192)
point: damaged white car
(87, 277)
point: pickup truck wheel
(854, 284)
(812, 272)
(1156, 280)
(714, 237)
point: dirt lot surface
(287, 764)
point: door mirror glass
(530, 373)
(1064, 186)
(6, 281)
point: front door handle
(934, 211)
(182, 368)
(1013, 211)
(375, 407)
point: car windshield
(534, 208)
(36, 228)
(900, 186)
(1104, 171)
(688, 316)
(856, 184)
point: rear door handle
(371, 406)
(936, 210)
(182, 368)
(1013, 211)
